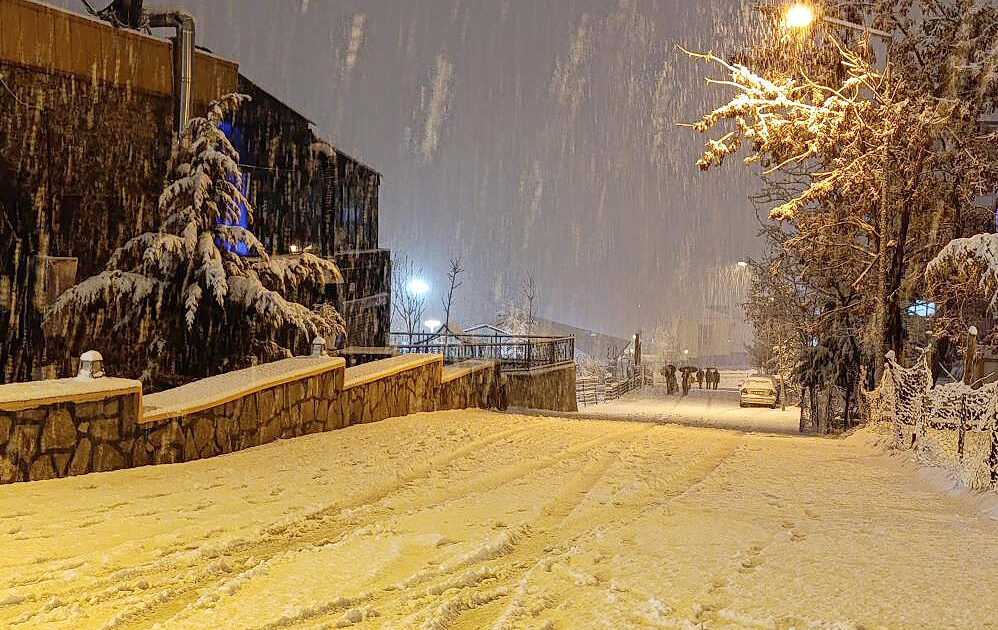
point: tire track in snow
(363, 515)
(466, 574)
(549, 537)
(700, 470)
(180, 565)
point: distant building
(87, 121)
(716, 338)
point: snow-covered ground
(706, 408)
(479, 520)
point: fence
(952, 424)
(514, 352)
(592, 391)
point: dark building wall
(307, 194)
(364, 298)
(86, 162)
(86, 120)
(86, 130)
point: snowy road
(476, 520)
(703, 408)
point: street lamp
(801, 16)
(433, 324)
(418, 287)
(798, 16)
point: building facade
(87, 119)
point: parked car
(759, 390)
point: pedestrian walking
(700, 378)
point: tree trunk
(892, 305)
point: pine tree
(180, 303)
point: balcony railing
(514, 352)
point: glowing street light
(742, 263)
(433, 324)
(418, 287)
(799, 16)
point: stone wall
(61, 428)
(472, 385)
(545, 388)
(66, 427)
(285, 410)
(391, 387)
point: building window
(921, 308)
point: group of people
(710, 376)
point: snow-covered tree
(870, 173)
(180, 303)
(408, 304)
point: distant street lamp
(433, 324)
(418, 287)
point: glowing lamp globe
(799, 16)
(418, 286)
(433, 324)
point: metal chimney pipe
(183, 58)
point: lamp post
(418, 287)
(801, 16)
(91, 366)
(318, 347)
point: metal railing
(514, 352)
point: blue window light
(921, 308)
(235, 136)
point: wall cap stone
(377, 370)
(557, 367)
(454, 372)
(20, 396)
(219, 390)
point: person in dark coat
(670, 380)
(687, 381)
(700, 378)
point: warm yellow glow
(799, 16)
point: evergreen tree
(180, 303)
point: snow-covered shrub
(180, 303)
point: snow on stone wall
(67, 427)
(473, 384)
(545, 388)
(391, 387)
(59, 428)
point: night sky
(523, 135)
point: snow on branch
(973, 259)
(788, 121)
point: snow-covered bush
(180, 303)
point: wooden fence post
(971, 355)
(962, 429)
(994, 455)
